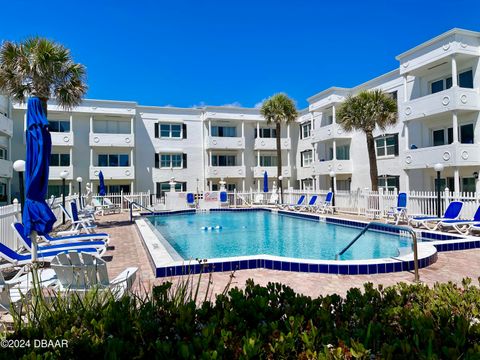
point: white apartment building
(140, 148)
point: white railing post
(446, 198)
(381, 201)
(121, 199)
(234, 198)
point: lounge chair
(81, 271)
(475, 229)
(258, 200)
(100, 246)
(326, 206)
(13, 290)
(78, 223)
(461, 226)
(110, 205)
(311, 204)
(399, 212)
(299, 202)
(273, 199)
(19, 229)
(452, 213)
(223, 198)
(191, 200)
(15, 258)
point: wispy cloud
(199, 105)
(233, 104)
(259, 104)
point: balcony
(6, 125)
(230, 143)
(338, 166)
(62, 138)
(271, 144)
(113, 172)
(332, 131)
(448, 155)
(6, 168)
(117, 140)
(54, 172)
(455, 98)
(226, 171)
(271, 171)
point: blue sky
(192, 53)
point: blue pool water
(261, 232)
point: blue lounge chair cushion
(40, 254)
(402, 201)
(313, 200)
(190, 198)
(328, 198)
(453, 210)
(223, 196)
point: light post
(63, 175)
(19, 166)
(280, 178)
(332, 185)
(79, 180)
(438, 168)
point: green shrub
(271, 322)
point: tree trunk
(279, 161)
(44, 105)
(372, 158)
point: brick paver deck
(128, 251)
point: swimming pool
(227, 234)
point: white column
(405, 87)
(335, 183)
(243, 128)
(209, 127)
(456, 179)
(71, 156)
(243, 157)
(71, 123)
(209, 162)
(91, 123)
(258, 183)
(131, 128)
(312, 121)
(455, 126)
(258, 157)
(313, 153)
(288, 131)
(243, 184)
(288, 183)
(69, 188)
(407, 139)
(288, 158)
(454, 72)
(407, 182)
(334, 149)
(91, 156)
(131, 157)
(334, 115)
(131, 187)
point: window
(223, 160)
(306, 130)
(55, 190)
(268, 160)
(444, 183)
(117, 189)
(468, 184)
(465, 79)
(306, 158)
(163, 187)
(307, 184)
(230, 187)
(343, 152)
(442, 137)
(466, 134)
(387, 145)
(59, 126)
(267, 133)
(389, 183)
(171, 161)
(224, 131)
(112, 126)
(171, 131)
(59, 159)
(394, 95)
(113, 160)
(3, 192)
(3, 154)
(329, 119)
(343, 185)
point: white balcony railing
(6, 168)
(6, 125)
(119, 140)
(113, 172)
(455, 98)
(226, 171)
(337, 166)
(233, 143)
(271, 144)
(448, 155)
(54, 172)
(62, 138)
(332, 131)
(258, 171)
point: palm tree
(41, 68)
(279, 109)
(365, 112)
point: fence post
(235, 198)
(149, 197)
(121, 199)
(381, 201)
(447, 197)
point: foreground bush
(402, 321)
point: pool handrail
(131, 203)
(390, 226)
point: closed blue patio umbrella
(37, 215)
(102, 191)
(265, 182)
